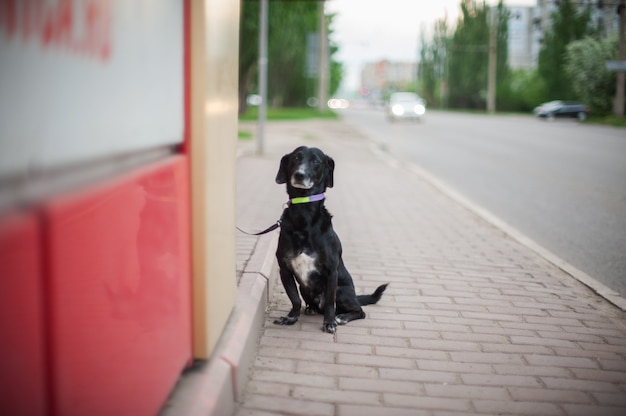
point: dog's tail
(374, 297)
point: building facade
(384, 75)
(118, 135)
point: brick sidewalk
(473, 322)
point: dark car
(562, 109)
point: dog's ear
(281, 176)
(329, 169)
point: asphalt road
(562, 184)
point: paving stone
(508, 407)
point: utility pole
(618, 105)
(323, 73)
(493, 48)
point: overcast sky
(371, 30)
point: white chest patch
(303, 265)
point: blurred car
(254, 100)
(338, 103)
(405, 105)
(562, 109)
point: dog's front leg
(289, 283)
(330, 325)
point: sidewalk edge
(214, 387)
(596, 286)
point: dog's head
(307, 169)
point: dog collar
(306, 199)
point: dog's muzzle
(301, 180)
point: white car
(405, 105)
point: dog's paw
(341, 320)
(286, 320)
(330, 327)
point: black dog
(309, 251)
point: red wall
(95, 284)
(99, 288)
(22, 371)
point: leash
(267, 230)
(292, 201)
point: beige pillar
(214, 72)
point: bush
(584, 64)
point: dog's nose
(298, 176)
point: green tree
(468, 54)
(590, 81)
(468, 57)
(288, 26)
(248, 50)
(503, 72)
(336, 67)
(426, 71)
(527, 90)
(289, 23)
(432, 71)
(569, 23)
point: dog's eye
(298, 157)
(316, 161)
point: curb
(214, 387)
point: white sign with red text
(88, 79)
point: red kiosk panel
(22, 368)
(120, 311)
